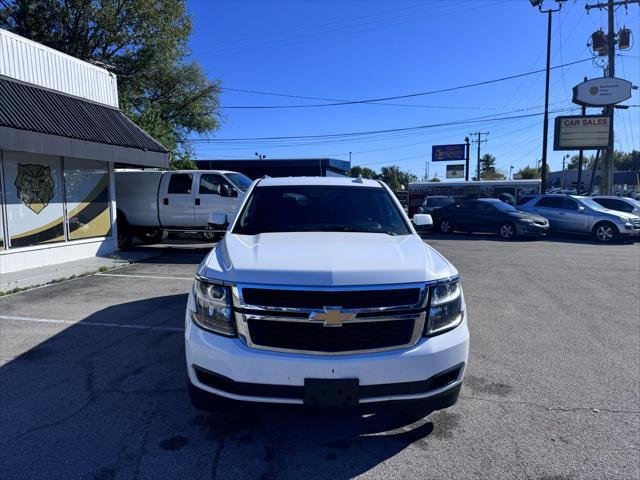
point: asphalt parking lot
(92, 380)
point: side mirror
(233, 192)
(580, 208)
(420, 210)
(217, 219)
(422, 220)
(224, 190)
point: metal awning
(39, 120)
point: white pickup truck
(151, 202)
(321, 293)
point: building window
(86, 186)
(34, 199)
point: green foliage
(488, 168)
(396, 178)
(362, 171)
(144, 42)
(393, 176)
(627, 161)
(527, 173)
(434, 179)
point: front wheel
(507, 231)
(149, 237)
(605, 232)
(446, 226)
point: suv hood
(324, 259)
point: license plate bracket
(340, 392)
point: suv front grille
(314, 337)
(347, 299)
(295, 320)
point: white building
(61, 135)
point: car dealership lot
(92, 380)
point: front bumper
(431, 369)
(532, 229)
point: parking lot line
(91, 324)
(154, 277)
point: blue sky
(355, 50)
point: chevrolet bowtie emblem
(332, 316)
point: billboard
(446, 153)
(599, 92)
(455, 171)
(588, 132)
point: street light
(511, 172)
(549, 11)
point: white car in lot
(321, 293)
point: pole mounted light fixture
(545, 128)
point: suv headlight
(445, 308)
(211, 309)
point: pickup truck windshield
(239, 180)
(320, 208)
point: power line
(373, 132)
(396, 97)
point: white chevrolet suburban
(321, 293)
(153, 202)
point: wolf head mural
(35, 186)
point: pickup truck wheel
(125, 235)
(507, 231)
(605, 232)
(446, 226)
(149, 237)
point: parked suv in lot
(620, 204)
(321, 293)
(582, 215)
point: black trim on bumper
(225, 384)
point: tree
(587, 162)
(365, 172)
(527, 172)
(488, 168)
(627, 161)
(395, 177)
(144, 42)
(434, 179)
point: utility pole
(479, 141)
(581, 155)
(466, 159)
(607, 163)
(426, 171)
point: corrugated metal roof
(36, 109)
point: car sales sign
(600, 92)
(588, 132)
(446, 153)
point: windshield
(591, 203)
(504, 207)
(239, 180)
(320, 208)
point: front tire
(149, 237)
(446, 226)
(605, 232)
(507, 231)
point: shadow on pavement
(107, 402)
